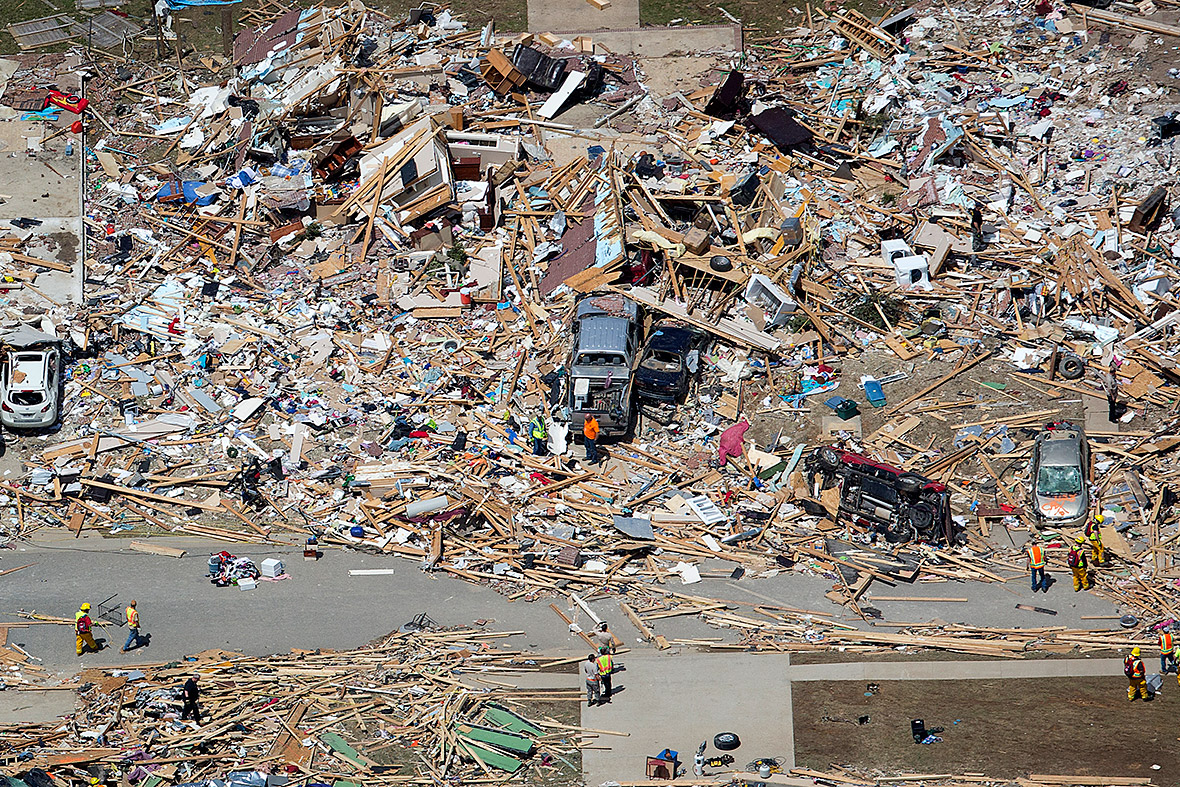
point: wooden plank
(644, 631)
(569, 622)
(18, 568)
(176, 501)
(156, 549)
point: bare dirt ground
(1007, 729)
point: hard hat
(85, 607)
(1099, 518)
(1134, 651)
(1080, 539)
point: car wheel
(829, 458)
(726, 741)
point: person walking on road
(1077, 563)
(593, 685)
(133, 627)
(1168, 654)
(606, 665)
(1133, 669)
(191, 695)
(1094, 533)
(590, 438)
(539, 434)
(82, 625)
(1036, 567)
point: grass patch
(766, 16)
(199, 29)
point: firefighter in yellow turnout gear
(1077, 564)
(82, 625)
(1136, 674)
(1094, 533)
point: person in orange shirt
(590, 436)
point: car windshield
(660, 361)
(600, 359)
(1059, 480)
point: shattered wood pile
(413, 708)
(333, 280)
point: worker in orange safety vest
(1168, 653)
(1133, 669)
(606, 665)
(1036, 566)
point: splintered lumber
(569, 622)
(1109, 781)
(644, 631)
(176, 501)
(1125, 20)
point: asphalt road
(322, 606)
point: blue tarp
(190, 192)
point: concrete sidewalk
(677, 701)
(957, 670)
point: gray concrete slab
(1097, 415)
(676, 701)
(34, 707)
(957, 670)
(45, 184)
(655, 41)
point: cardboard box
(697, 241)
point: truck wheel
(921, 517)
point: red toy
(67, 101)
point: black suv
(895, 503)
(663, 372)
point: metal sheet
(45, 31)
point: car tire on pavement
(726, 741)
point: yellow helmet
(1080, 539)
(1134, 651)
(85, 607)
(1099, 518)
